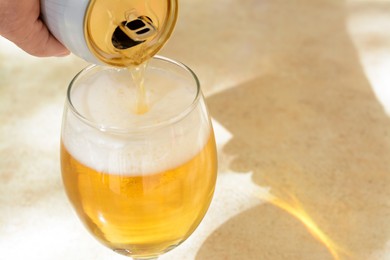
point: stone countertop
(300, 96)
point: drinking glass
(138, 155)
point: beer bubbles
(140, 182)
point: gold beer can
(119, 33)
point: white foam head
(109, 99)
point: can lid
(123, 33)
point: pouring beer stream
(119, 33)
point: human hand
(20, 23)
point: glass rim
(136, 129)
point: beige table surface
(299, 91)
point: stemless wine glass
(140, 181)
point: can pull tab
(132, 32)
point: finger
(38, 41)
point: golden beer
(140, 178)
(144, 214)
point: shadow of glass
(272, 236)
(311, 129)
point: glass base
(126, 252)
